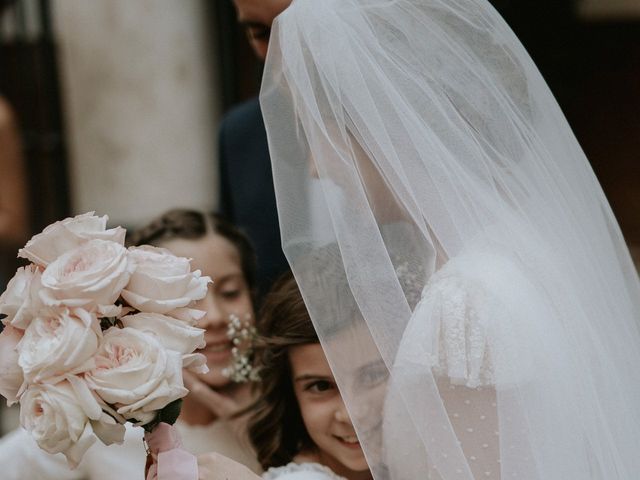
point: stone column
(141, 105)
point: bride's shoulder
(475, 310)
(301, 471)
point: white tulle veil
(466, 275)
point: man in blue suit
(246, 182)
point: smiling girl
(223, 253)
(300, 428)
(220, 251)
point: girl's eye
(372, 376)
(231, 294)
(319, 386)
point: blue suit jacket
(246, 188)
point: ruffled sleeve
(458, 331)
(466, 310)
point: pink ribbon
(168, 460)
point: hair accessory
(242, 334)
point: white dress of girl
(301, 471)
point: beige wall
(139, 101)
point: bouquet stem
(166, 459)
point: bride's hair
(276, 428)
(193, 225)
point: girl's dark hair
(276, 429)
(192, 225)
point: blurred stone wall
(140, 100)
(609, 9)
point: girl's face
(229, 294)
(324, 413)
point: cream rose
(56, 420)
(90, 276)
(104, 424)
(65, 235)
(195, 363)
(172, 334)
(11, 377)
(20, 301)
(59, 342)
(162, 282)
(135, 374)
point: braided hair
(193, 225)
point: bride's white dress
(520, 361)
(301, 471)
(485, 331)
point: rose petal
(195, 363)
(136, 373)
(20, 301)
(58, 343)
(191, 316)
(11, 377)
(172, 333)
(90, 276)
(77, 449)
(85, 397)
(65, 235)
(162, 282)
(56, 421)
(108, 430)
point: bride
(477, 244)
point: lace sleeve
(451, 311)
(470, 329)
(469, 323)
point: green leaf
(169, 414)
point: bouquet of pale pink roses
(97, 335)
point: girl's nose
(341, 414)
(362, 411)
(214, 317)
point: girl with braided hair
(207, 421)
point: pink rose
(171, 333)
(135, 374)
(60, 420)
(60, 237)
(90, 276)
(11, 378)
(59, 342)
(174, 335)
(20, 301)
(162, 283)
(195, 363)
